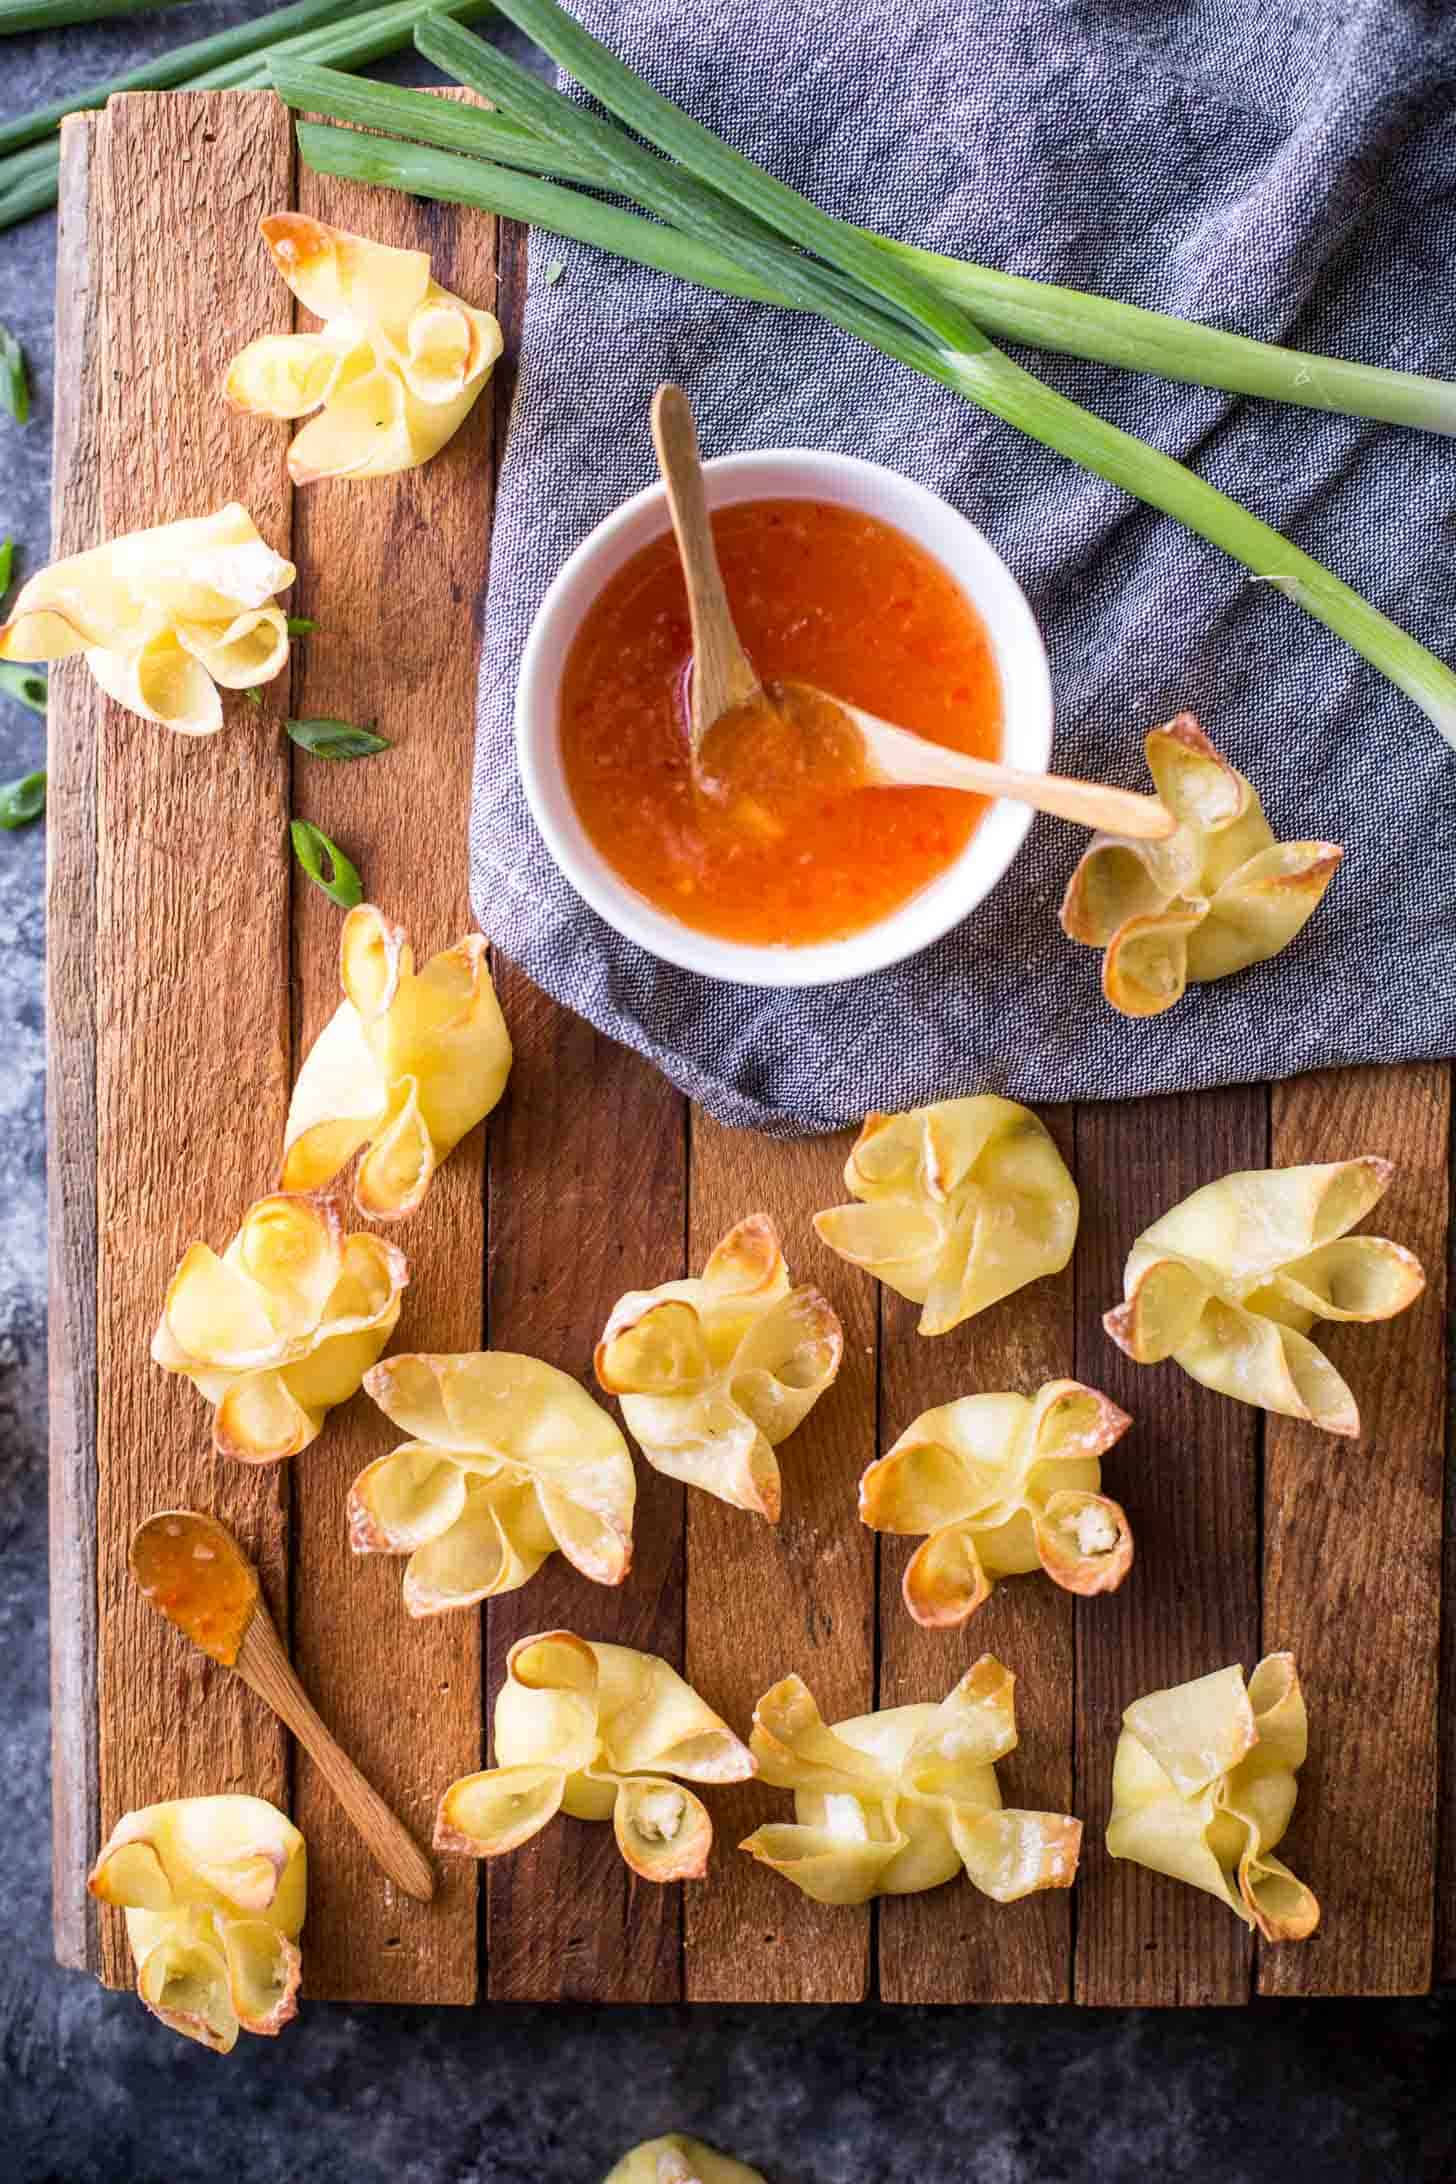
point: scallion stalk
(420, 117)
(14, 382)
(351, 36)
(1037, 313)
(422, 171)
(18, 15)
(1073, 322)
(901, 316)
(181, 62)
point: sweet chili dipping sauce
(787, 849)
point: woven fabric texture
(1285, 172)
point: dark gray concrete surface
(93, 2091)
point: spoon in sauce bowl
(766, 745)
(191, 1570)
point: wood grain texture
(1187, 1473)
(588, 1199)
(266, 1669)
(1352, 1570)
(394, 575)
(955, 1945)
(72, 715)
(765, 1600)
(173, 918)
(192, 1071)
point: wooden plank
(764, 1600)
(192, 1069)
(393, 571)
(1188, 1473)
(74, 708)
(1352, 1578)
(952, 1944)
(588, 1199)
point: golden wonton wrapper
(960, 1204)
(163, 617)
(895, 1802)
(508, 1459)
(1231, 1280)
(283, 1326)
(1002, 1484)
(213, 1889)
(679, 2160)
(596, 1730)
(1203, 1788)
(394, 371)
(406, 1065)
(1218, 895)
(713, 1374)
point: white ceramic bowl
(1026, 704)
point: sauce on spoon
(191, 1569)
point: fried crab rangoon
(714, 1373)
(508, 1459)
(1230, 1282)
(393, 372)
(1002, 1484)
(162, 617)
(679, 2160)
(1203, 1788)
(406, 1065)
(899, 1801)
(595, 1731)
(283, 1326)
(1219, 894)
(960, 1204)
(213, 1890)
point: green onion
(22, 801)
(927, 331)
(17, 15)
(7, 564)
(180, 63)
(253, 695)
(1037, 313)
(36, 193)
(335, 738)
(14, 386)
(301, 625)
(1074, 323)
(314, 851)
(423, 172)
(418, 115)
(27, 685)
(352, 35)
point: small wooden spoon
(192, 1570)
(724, 679)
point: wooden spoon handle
(1088, 803)
(266, 1669)
(892, 755)
(723, 674)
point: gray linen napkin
(1285, 172)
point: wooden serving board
(190, 965)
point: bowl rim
(934, 909)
